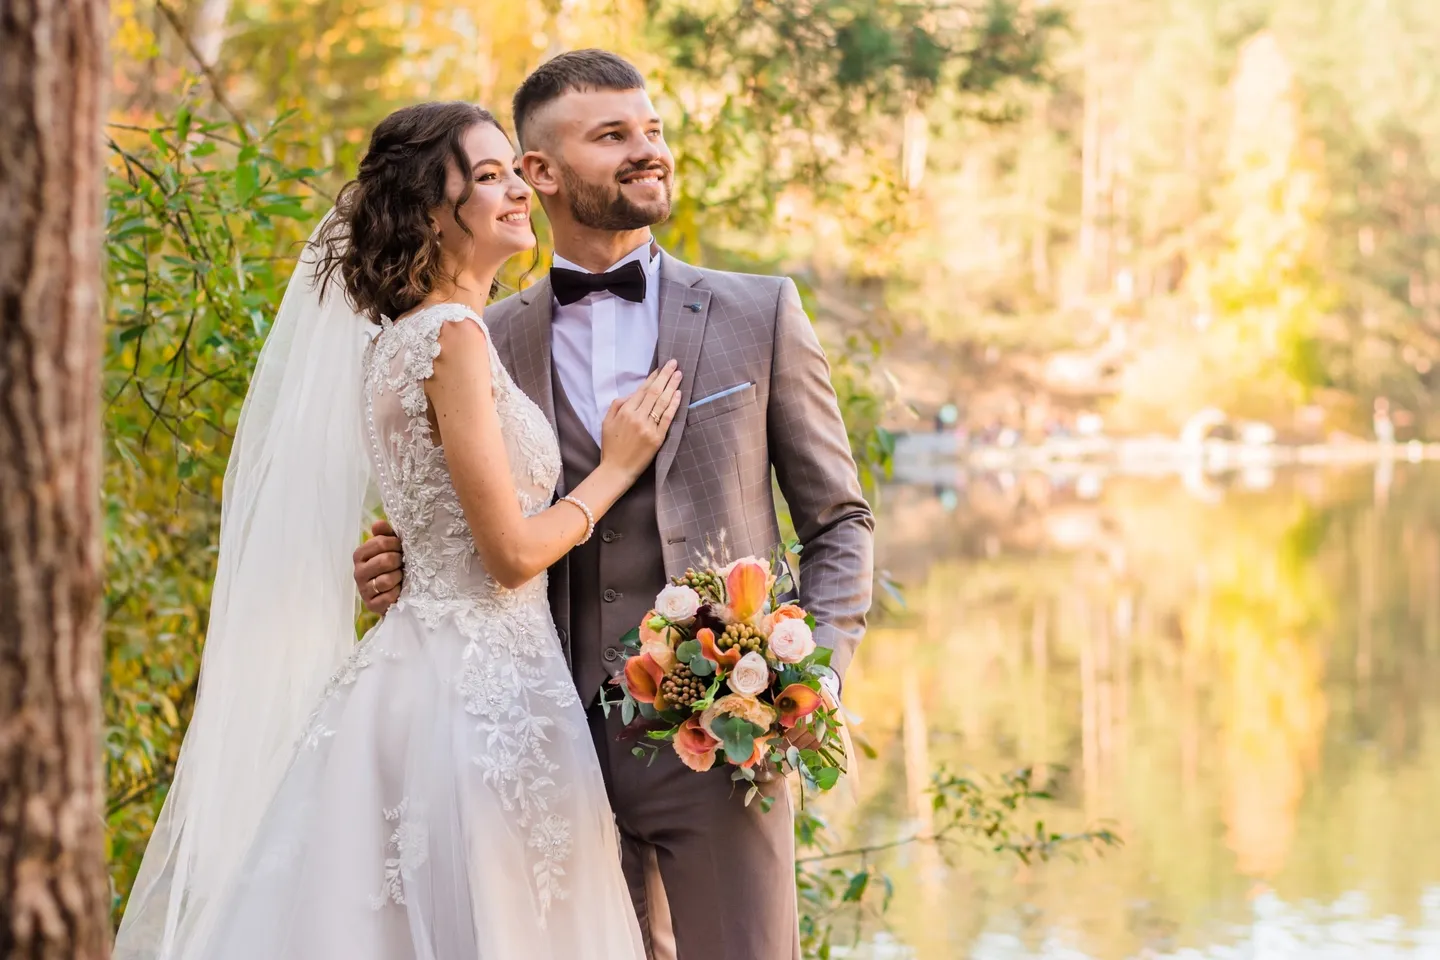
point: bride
(433, 792)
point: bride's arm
(513, 547)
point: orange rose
(788, 612)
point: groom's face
(602, 154)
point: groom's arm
(811, 453)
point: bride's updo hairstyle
(380, 237)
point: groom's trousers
(727, 870)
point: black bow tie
(626, 281)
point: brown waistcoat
(614, 577)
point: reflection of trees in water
(1243, 686)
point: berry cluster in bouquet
(722, 669)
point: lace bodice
(443, 574)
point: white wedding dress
(444, 801)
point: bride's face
(497, 212)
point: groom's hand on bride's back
(377, 568)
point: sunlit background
(1134, 309)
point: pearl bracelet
(589, 517)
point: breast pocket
(720, 402)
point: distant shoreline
(929, 454)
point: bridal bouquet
(721, 669)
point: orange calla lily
(746, 588)
(643, 677)
(795, 703)
(695, 746)
(706, 638)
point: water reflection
(1237, 671)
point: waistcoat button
(611, 654)
(609, 536)
(611, 596)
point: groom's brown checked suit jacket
(756, 395)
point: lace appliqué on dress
(407, 851)
(508, 632)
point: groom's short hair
(577, 70)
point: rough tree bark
(54, 897)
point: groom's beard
(607, 208)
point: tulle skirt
(444, 803)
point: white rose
(751, 676)
(677, 604)
(791, 641)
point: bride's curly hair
(379, 238)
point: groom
(756, 396)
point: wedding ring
(657, 416)
(373, 592)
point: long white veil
(282, 614)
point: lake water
(1240, 675)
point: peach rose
(662, 653)
(746, 708)
(792, 641)
(751, 676)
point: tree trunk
(54, 897)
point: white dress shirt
(603, 345)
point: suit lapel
(531, 347)
(684, 311)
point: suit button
(611, 654)
(609, 536)
(610, 596)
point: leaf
(766, 803)
(737, 737)
(688, 650)
(247, 182)
(751, 794)
(858, 884)
(292, 209)
(627, 711)
(632, 639)
(827, 777)
(701, 667)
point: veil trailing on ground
(282, 614)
